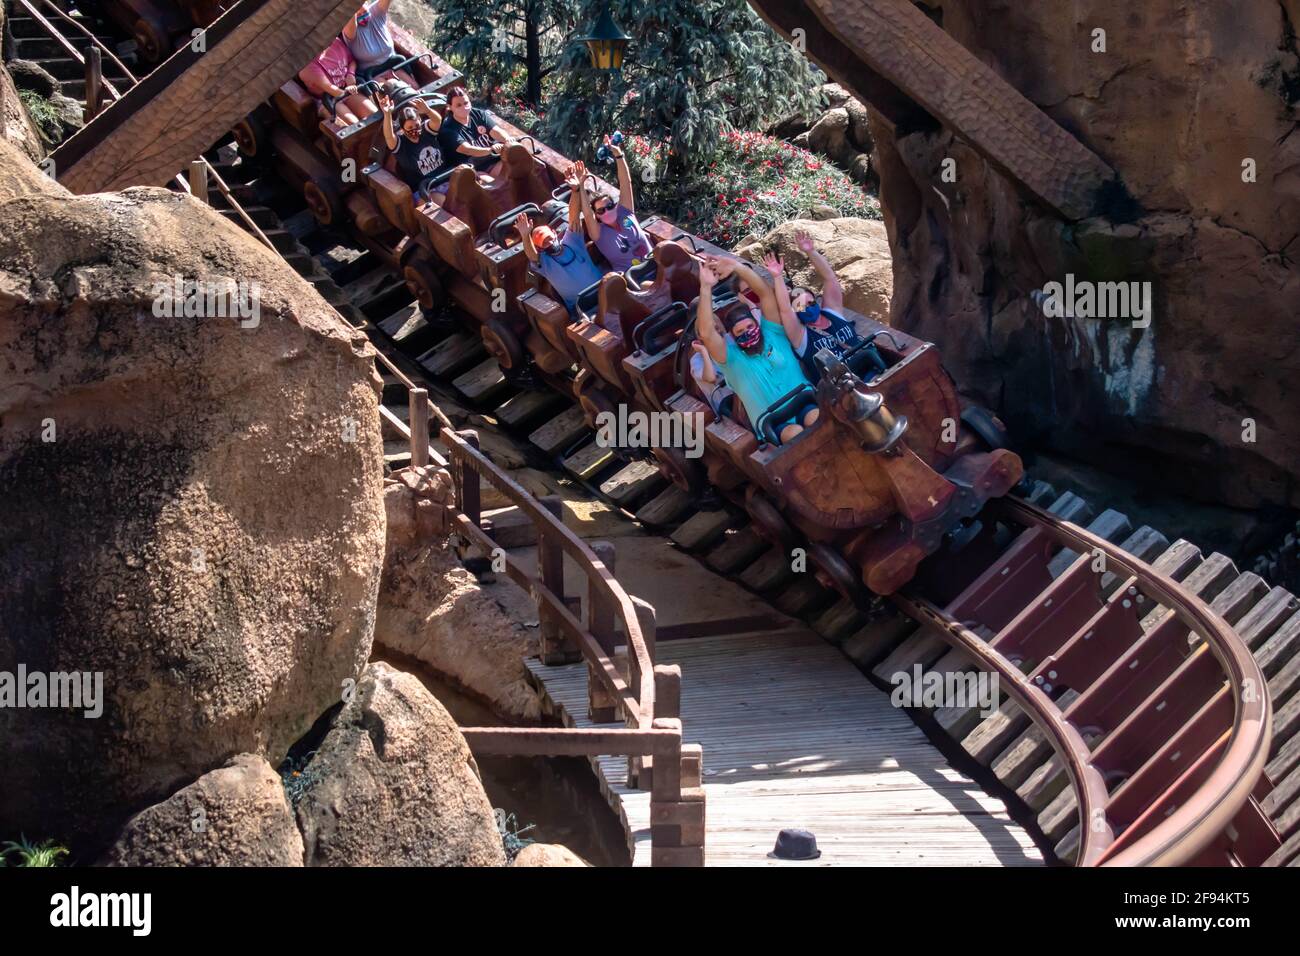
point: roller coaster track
(1142, 676)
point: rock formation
(858, 249)
(193, 505)
(16, 127)
(393, 783)
(842, 133)
(547, 854)
(235, 816)
(1195, 106)
(433, 610)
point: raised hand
(804, 242)
(523, 224)
(386, 103)
(708, 277)
(773, 263)
(615, 151)
(722, 268)
(572, 178)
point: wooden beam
(192, 99)
(877, 47)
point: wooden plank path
(795, 736)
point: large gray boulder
(235, 816)
(393, 783)
(192, 505)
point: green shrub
(32, 854)
(43, 114)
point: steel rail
(1193, 825)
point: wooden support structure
(94, 83)
(556, 648)
(203, 90)
(419, 412)
(601, 705)
(888, 53)
(199, 180)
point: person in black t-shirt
(824, 325)
(417, 149)
(471, 134)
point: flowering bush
(756, 183)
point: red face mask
(750, 339)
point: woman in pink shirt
(334, 74)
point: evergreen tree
(493, 39)
(693, 70)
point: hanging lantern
(606, 43)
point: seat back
(298, 107)
(530, 180)
(678, 273)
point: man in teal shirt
(757, 358)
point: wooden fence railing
(615, 637)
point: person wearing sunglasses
(613, 226)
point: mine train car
(895, 466)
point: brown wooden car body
(864, 516)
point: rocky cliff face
(192, 498)
(1194, 104)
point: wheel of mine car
(502, 344)
(424, 284)
(768, 521)
(250, 134)
(990, 429)
(324, 200)
(835, 572)
(683, 472)
(153, 43)
(591, 397)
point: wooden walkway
(795, 736)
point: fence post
(199, 181)
(555, 647)
(676, 807)
(419, 406)
(468, 490)
(640, 770)
(94, 82)
(602, 707)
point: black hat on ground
(796, 845)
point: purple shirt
(624, 241)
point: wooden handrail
(577, 549)
(638, 702)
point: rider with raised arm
(371, 42)
(564, 263)
(822, 322)
(613, 226)
(757, 358)
(417, 151)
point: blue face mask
(811, 314)
(561, 253)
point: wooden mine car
(894, 467)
